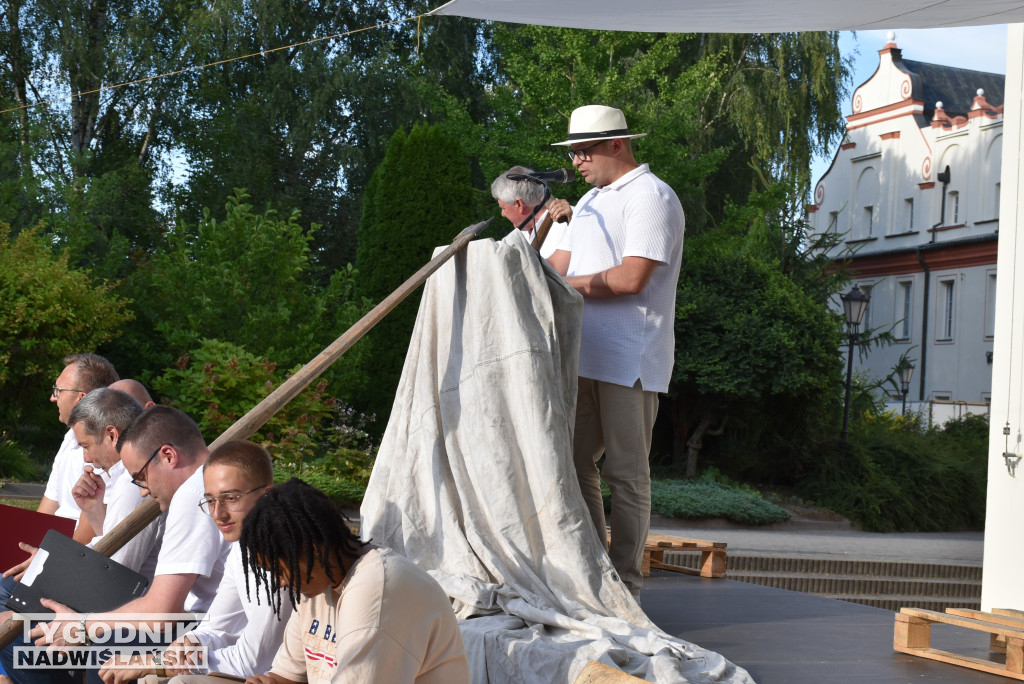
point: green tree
(48, 309)
(219, 382)
(314, 120)
(721, 110)
(757, 346)
(419, 197)
(900, 476)
(245, 280)
(89, 159)
(314, 436)
(277, 124)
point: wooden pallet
(1000, 616)
(712, 555)
(1006, 629)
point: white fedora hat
(597, 122)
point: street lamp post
(855, 303)
(906, 372)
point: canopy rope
(417, 17)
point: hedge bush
(15, 462)
(899, 476)
(706, 499)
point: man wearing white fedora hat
(622, 251)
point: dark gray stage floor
(785, 637)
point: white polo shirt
(68, 466)
(122, 497)
(631, 337)
(192, 544)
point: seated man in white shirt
(98, 422)
(366, 614)
(517, 200)
(240, 636)
(82, 374)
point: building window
(990, 306)
(904, 305)
(908, 213)
(833, 220)
(953, 203)
(998, 189)
(947, 290)
(869, 221)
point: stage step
(881, 583)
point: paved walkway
(795, 538)
(20, 489)
(829, 540)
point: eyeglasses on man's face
(584, 153)
(58, 390)
(230, 500)
(139, 478)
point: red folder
(21, 525)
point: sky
(982, 48)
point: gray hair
(508, 191)
(103, 407)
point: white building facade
(915, 189)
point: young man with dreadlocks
(366, 613)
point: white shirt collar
(625, 178)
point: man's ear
(169, 453)
(111, 434)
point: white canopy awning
(741, 16)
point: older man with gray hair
(517, 200)
(98, 421)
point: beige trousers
(617, 421)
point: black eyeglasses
(138, 479)
(229, 501)
(583, 154)
(58, 390)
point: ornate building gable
(911, 120)
(914, 189)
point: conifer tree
(419, 197)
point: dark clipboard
(22, 525)
(73, 574)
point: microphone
(556, 176)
